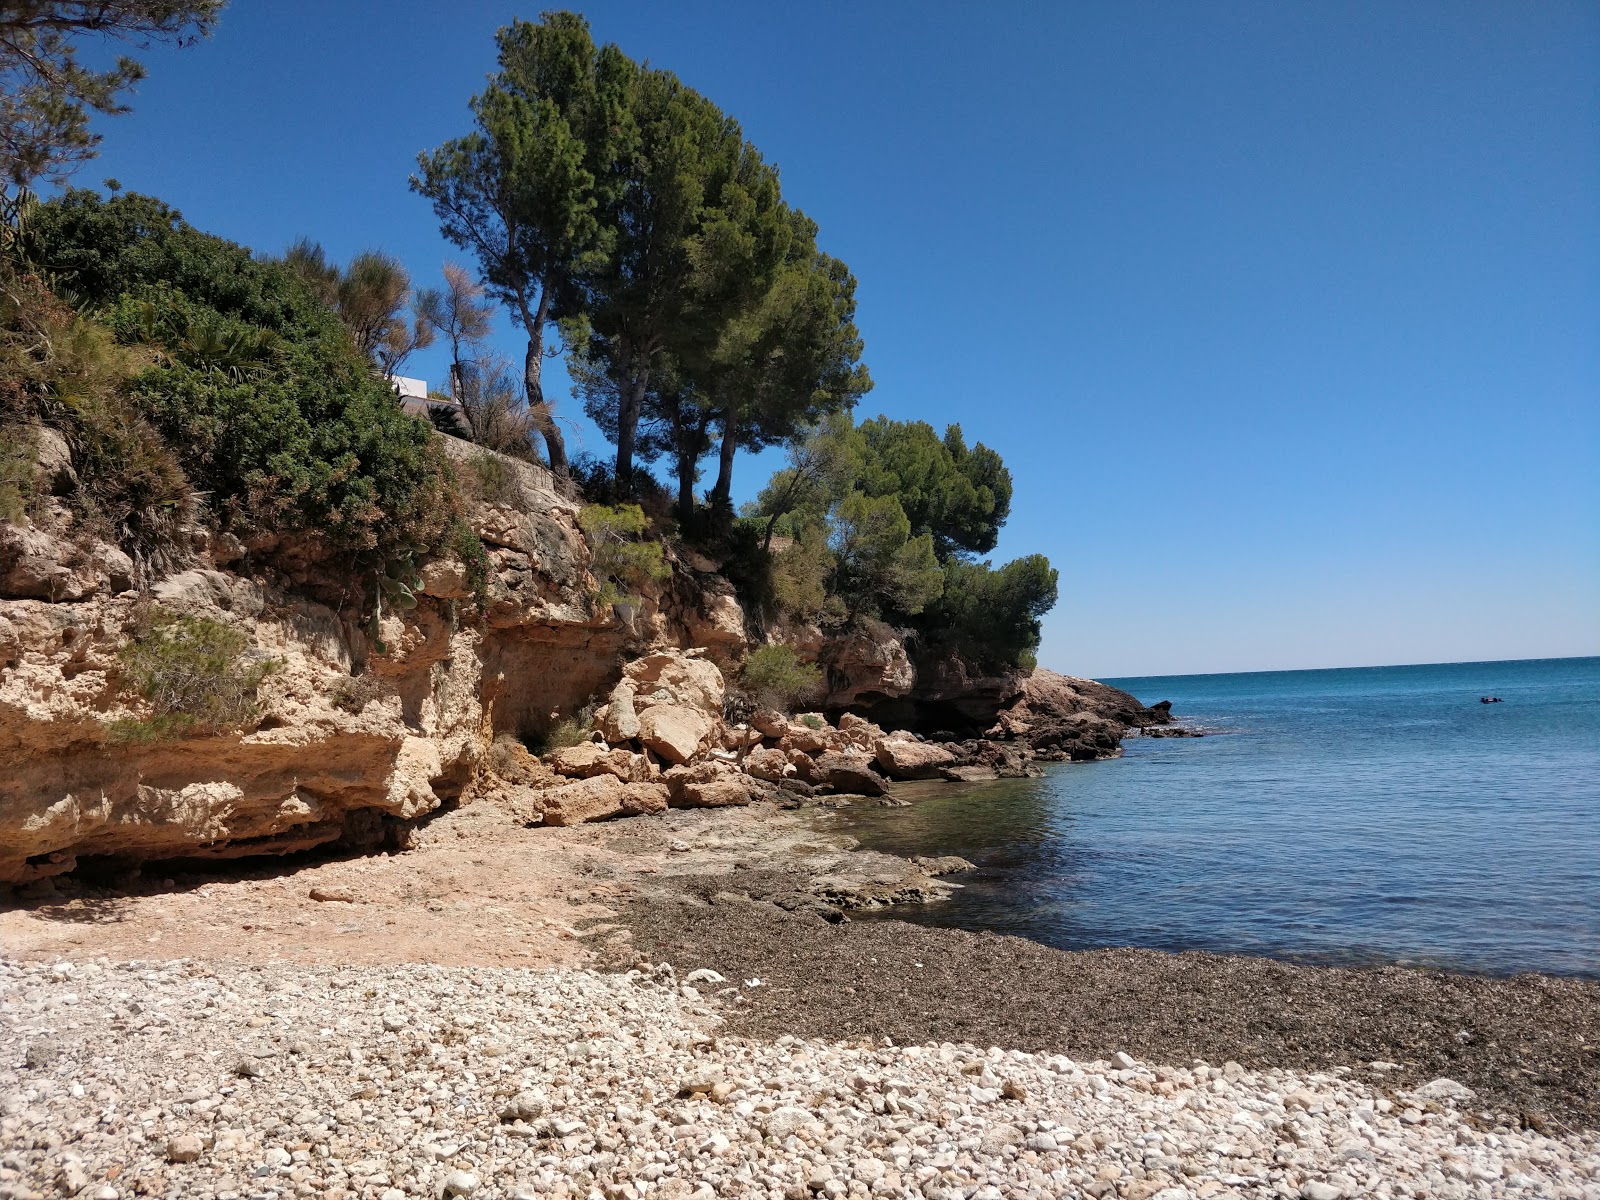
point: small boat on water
(1490, 700)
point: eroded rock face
(36, 564)
(865, 666)
(352, 744)
(715, 620)
(310, 774)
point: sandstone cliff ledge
(356, 738)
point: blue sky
(1286, 318)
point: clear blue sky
(1286, 317)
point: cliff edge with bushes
(249, 605)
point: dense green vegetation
(625, 557)
(885, 519)
(190, 369)
(609, 200)
(775, 678)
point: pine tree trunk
(686, 465)
(533, 381)
(722, 493)
(629, 404)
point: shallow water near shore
(1345, 816)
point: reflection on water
(1376, 815)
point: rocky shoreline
(764, 891)
(357, 733)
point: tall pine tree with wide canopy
(523, 191)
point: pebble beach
(272, 1080)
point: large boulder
(588, 759)
(682, 678)
(805, 768)
(727, 792)
(765, 762)
(770, 724)
(618, 721)
(904, 759)
(642, 799)
(809, 733)
(857, 731)
(582, 761)
(707, 785)
(600, 798)
(674, 732)
(850, 772)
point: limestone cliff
(354, 738)
(349, 741)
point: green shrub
(250, 379)
(195, 674)
(812, 721)
(622, 563)
(563, 734)
(16, 472)
(776, 678)
(468, 547)
(494, 481)
(69, 372)
(560, 733)
(800, 574)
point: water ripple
(1374, 815)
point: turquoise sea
(1352, 816)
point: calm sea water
(1367, 815)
